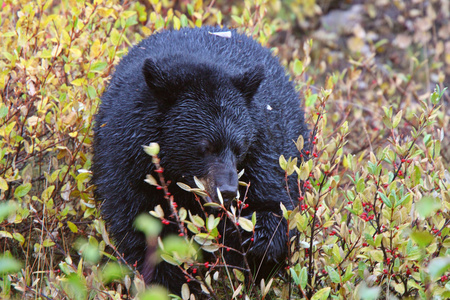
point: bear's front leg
(268, 250)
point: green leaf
(311, 99)
(3, 184)
(360, 186)
(22, 190)
(322, 294)
(427, 206)
(245, 224)
(438, 266)
(114, 271)
(154, 293)
(197, 220)
(237, 19)
(184, 21)
(176, 244)
(9, 265)
(369, 293)
(404, 198)
(169, 259)
(303, 278)
(18, 237)
(397, 119)
(295, 277)
(361, 267)
(90, 251)
(115, 37)
(91, 91)
(385, 200)
(387, 122)
(283, 162)
(212, 222)
(6, 209)
(149, 225)
(98, 66)
(336, 254)
(334, 276)
(298, 67)
(434, 98)
(3, 111)
(152, 149)
(422, 238)
(348, 273)
(47, 193)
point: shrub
(373, 218)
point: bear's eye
(239, 151)
(205, 147)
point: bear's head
(205, 122)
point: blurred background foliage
(378, 60)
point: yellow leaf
(376, 255)
(48, 243)
(3, 184)
(96, 49)
(355, 44)
(70, 119)
(322, 294)
(72, 227)
(75, 53)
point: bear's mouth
(208, 199)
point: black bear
(216, 102)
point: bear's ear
(155, 78)
(248, 82)
(160, 83)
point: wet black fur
(183, 89)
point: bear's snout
(227, 183)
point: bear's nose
(228, 192)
